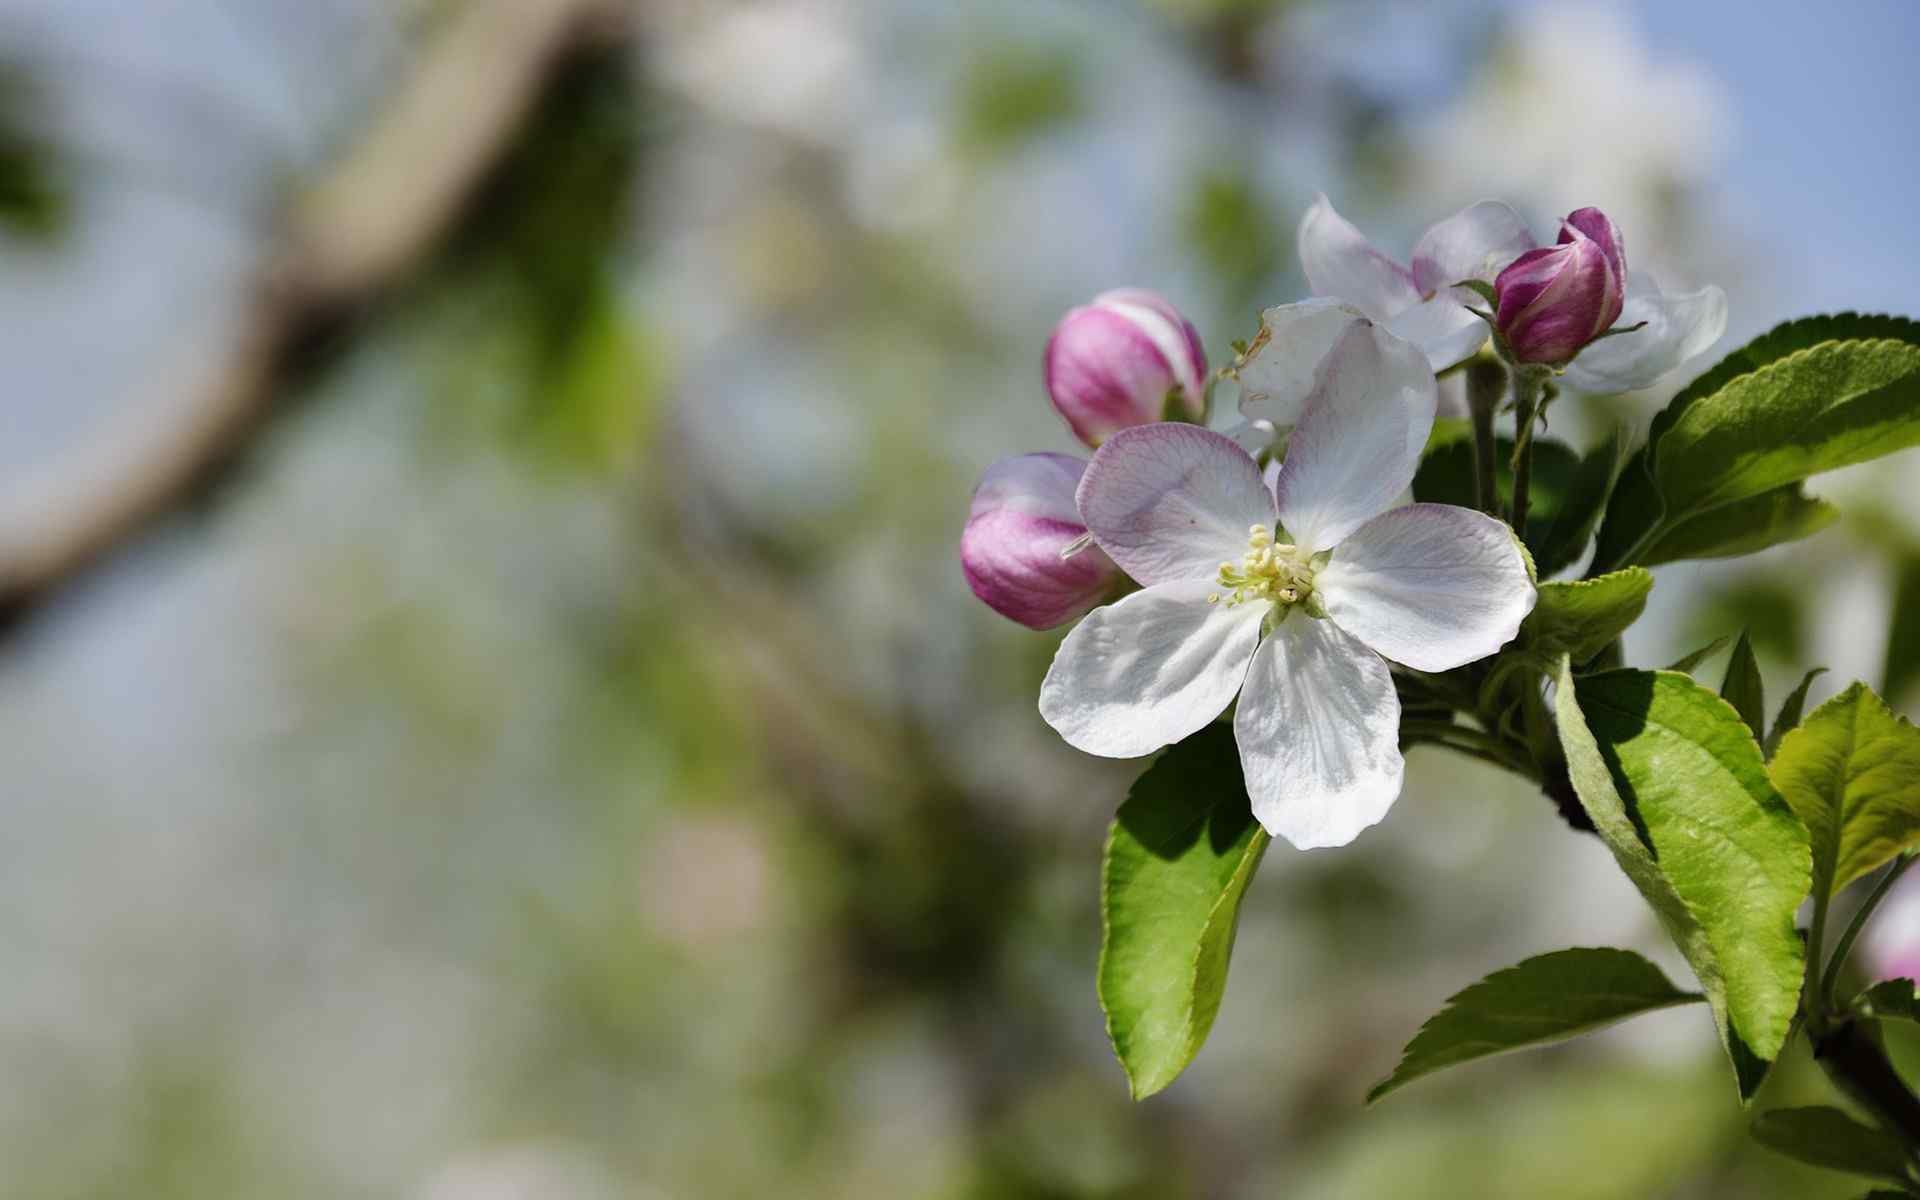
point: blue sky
(1824, 168)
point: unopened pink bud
(1024, 549)
(1119, 362)
(1552, 301)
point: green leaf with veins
(1790, 709)
(1179, 857)
(1808, 396)
(1852, 772)
(1827, 1137)
(1785, 514)
(1582, 617)
(1674, 784)
(1542, 1000)
(1742, 687)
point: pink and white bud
(1121, 361)
(1553, 301)
(1025, 550)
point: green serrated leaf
(1888, 1000)
(1813, 412)
(1180, 855)
(1582, 617)
(1790, 709)
(1852, 773)
(1742, 687)
(1542, 1000)
(1687, 662)
(1827, 1137)
(1785, 514)
(1563, 537)
(1675, 786)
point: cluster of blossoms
(1275, 563)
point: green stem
(1842, 948)
(1486, 388)
(1526, 406)
(1465, 738)
(1810, 1004)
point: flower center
(1281, 573)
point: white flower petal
(1040, 485)
(1429, 585)
(1145, 672)
(1284, 364)
(1319, 733)
(1341, 263)
(1357, 445)
(1474, 243)
(1171, 501)
(1679, 326)
(1442, 328)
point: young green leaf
(1582, 617)
(1785, 514)
(1675, 786)
(1687, 662)
(1852, 773)
(1806, 397)
(1180, 855)
(1742, 687)
(1790, 710)
(1537, 1002)
(1827, 1137)
(1888, 1000)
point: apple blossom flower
(1122, 361)
(1550, 302)
(1293, 597)
(1023, 548)
(1417, 302)
(1479, 243)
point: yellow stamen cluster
(1280, 573)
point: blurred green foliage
(1231, 225)
(33, 204)
(1012, 92)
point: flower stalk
(1529, 392)
(1486, 388)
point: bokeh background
(539, 743)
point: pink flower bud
(1117, 362)
(1554, 300)
(1023, 518)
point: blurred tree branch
(350, 238)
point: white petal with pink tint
(1319, 733)
(1444, 330)
(1145, 672)
(1284, 366)
(1170, 501)
(1474, 243)
(1359, 441)
(1429, 585)
(1340, 262)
